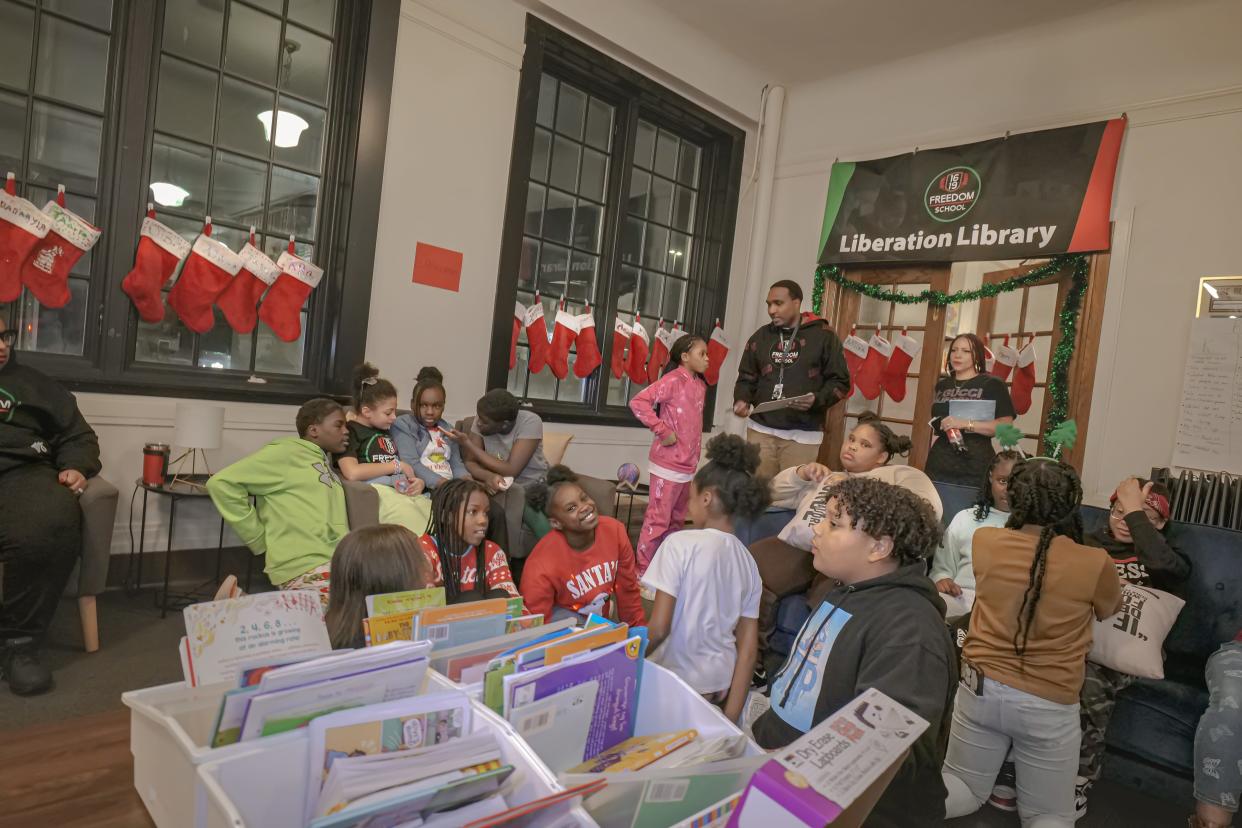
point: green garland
(1058, 376)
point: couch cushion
(1156, 720)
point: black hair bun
(733, 452)
(365, 371)
(429, 374)
(561, 474)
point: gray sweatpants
(1218, 741)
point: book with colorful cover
(450, 634)
(615, 667)
(557, 726)
(409, 804)
(523, 622)
(391, 603)
(636, 752)
(381, 629)
(414, 722)
(481, 653)
(221, 636)
(471, 609)
(592, 639)
(820, 775)
(526, 814)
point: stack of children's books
(419, 761)
(421, 614)
(273, 698)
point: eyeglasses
(8, 337)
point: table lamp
(198, 427)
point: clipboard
(777, 405)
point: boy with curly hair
(882, 627)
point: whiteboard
(1209, 425)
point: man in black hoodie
(882, 627)
(47, 452)
(797, 354)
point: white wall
(445, 181)
(1175, 68)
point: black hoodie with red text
(813, 362)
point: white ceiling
(792, 41)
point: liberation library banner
(1035, 194)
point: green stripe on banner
(842, 172)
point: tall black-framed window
(622, 198)
(271, 113)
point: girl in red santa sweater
(586, 563)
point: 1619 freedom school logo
(952, 193)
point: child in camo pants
(1218, 741)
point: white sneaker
(1082, 788)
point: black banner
(1035, 194)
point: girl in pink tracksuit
(678, 428)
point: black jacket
(887, 633)
(1150, 561)
(815, 364)
(40, 423)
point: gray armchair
(98, 502)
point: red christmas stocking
(160, 250)
(46, 270)
(588, 348)
(22, 226)
(519, 314)
(1023, 379)
(989, 358)
(658, 357)
(855, 354)
(1006, 359)
(207, 271)
(717, 350)
(240, 300)
(639, 345)
(536, 336)
(282, 307)
(564, 332)
(871, 372)
(905, 349)
(621, 334)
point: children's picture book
(589, 639)
(615, 667)
(557, 726)
(269, 713)
(221, 635)
(411, 600)
(702, 751)
(454, 661)
(815, 779)
(656, 798)
(523, 622)
(636, 752)
(534, 813)
(381, 629)
(471, 609)
(414, 722)
(409, 804)
(715, 815)
(448, 634)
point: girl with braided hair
(455, 544)
(1038, 590)
(953, 570)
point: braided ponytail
(1044, 493)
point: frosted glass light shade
(289, 127)
(198, 426)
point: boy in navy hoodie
(882, 627)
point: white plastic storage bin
(264, 786)
(665, 703)
(169, 733)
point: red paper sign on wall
(437, 266)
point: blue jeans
(1218, 741)
(1045, 737)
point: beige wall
(1175, 68)
(445, 181)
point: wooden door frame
(845, 305)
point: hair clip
(369, 381)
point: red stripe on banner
(1091, 232)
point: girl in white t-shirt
(704, 625)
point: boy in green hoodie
(299, 510)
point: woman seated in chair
(47, 453)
